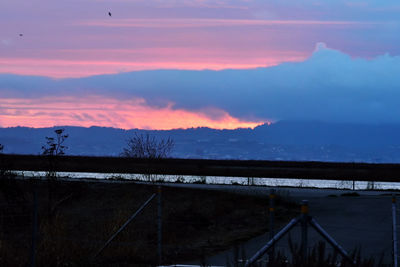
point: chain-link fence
(70, 222)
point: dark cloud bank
(329, 86)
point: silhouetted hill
(284, 140)
(321, 133)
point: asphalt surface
(361, 222)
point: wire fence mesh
(205, 228)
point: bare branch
(146, 146)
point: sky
(158, 64)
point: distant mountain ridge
(283, 140)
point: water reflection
(337, 184)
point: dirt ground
(76, 218)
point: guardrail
(202, 167)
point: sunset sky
(342, 57)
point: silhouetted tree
(147, 146)
(54, 146)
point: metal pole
(271, 219)
(34, 229)
(330, 240)
(304, 230)
(159, 219)
(124, 225)
(394, 230)
(275, 239)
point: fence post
(34, 229)
(271, 220)
(330, 240)
(124, 225)
(271, 242)
(394, 230)
(304, 219)
(304, 230)
(159, 224)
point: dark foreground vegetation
(200, 167)
(75, 219)
(317, 257)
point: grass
(80, 216)
(317, 256)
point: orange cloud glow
(99, 111)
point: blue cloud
(329, 86)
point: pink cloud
(83, 62)
(206, 22)
(78, 38)
(100, 111)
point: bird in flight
(109, 13)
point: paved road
(363, 222)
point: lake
(284, 182)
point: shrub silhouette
(147, 146)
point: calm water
(358, 185)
